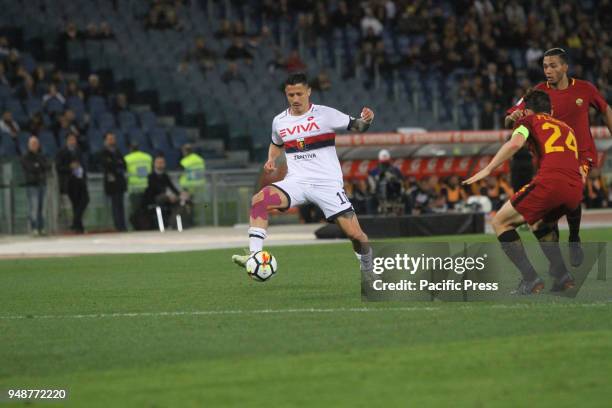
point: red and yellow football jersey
(554, 144)
(571, 105)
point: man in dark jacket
(162, 192)
(72, 176)
(35, 168)
(112, 164)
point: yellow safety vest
(193, 172)
(139, 165)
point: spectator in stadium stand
(321, 83)
(438, 204)
(202, 55)
(361, 198)
(8, 125)
(453, 192)
(232, 74)
(69, 34)
(225, 30)
(3, 78)
(91, 31)
(72, 89)
(66, 123)
(35, 169)
(596, 194)
(493, 190)
(163, 15)
(193, 165)
(162, 192)
(36, 123)
(508, 84)
(53, 95)
(277, 63)
(237, 51)
(94, 87)
(41, 79)
(487, 116)
(369, 23)
(105, 32)
(386, 182)
(295, 63)
(27, 89)
(113, 166)
(120, 104)
(72, 175)
(421, 197)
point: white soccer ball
(261, 266)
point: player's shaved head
(557, 52)
(537, 101)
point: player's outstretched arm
(504, 153)
(273, 152)
(362, 123)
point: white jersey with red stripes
(309, 142)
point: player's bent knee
(357, 235)
(498, 224)
(263, 202)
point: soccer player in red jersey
(571, 99)
(555, 190)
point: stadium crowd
(57, 110)
(491, 51)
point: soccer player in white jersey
(306, 132)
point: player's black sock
(573, 220)
(513, 247)
(549, 242)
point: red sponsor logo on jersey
(297, 129)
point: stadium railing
(224, 200)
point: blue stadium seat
(104, 121)
(96, 104)
(173, 157)
(148, 120)
(179, 137)
(33, 105)
(77, 105)
(47, 143)
(127, 120)
(16, 109)
(23, 138)
(53, 106)
(159, 139)
(7, 146)
(139, 137)
(96, 140)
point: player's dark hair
(537, 101)
(296, 79)
(559, 52)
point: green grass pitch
(191, 330)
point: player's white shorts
(332, 200)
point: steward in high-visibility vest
(139, 166)
(193, 170)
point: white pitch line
(288, 311)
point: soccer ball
(261, 266)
